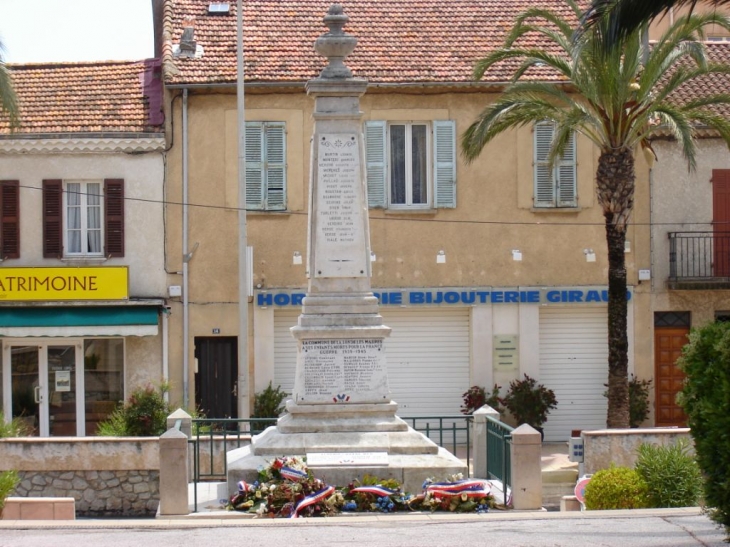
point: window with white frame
(411, 165)
(83, 235)
(266, 166)
(554, 187)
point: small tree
(706, 401)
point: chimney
(187, 40)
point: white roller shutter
(574, 364)
(427, 353)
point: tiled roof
(717, 52)
(98, 97)
(400, 41)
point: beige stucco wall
(494, 215)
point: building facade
(82, 279)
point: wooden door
(668, 378)
(216, 379)
(721, 222)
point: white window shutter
(254, 165)
(544, 182)
(275, 162)
(444, 146)
(376, 162)
(565, 173)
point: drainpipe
(185, 253)
(165, 352)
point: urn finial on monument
(335, 44)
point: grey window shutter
(444, 147)
(376, 163)
(254, 165)
(275, 162)
(565, 173)
(544, 182)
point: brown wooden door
(721, 222)
(668, 378)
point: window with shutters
(411, 165)
(266, 166)
(83, 219)
(554, 187)
(9, 219)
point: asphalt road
(668, 530)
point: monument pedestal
(341, 410)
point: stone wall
(604, 447)
(107, 476)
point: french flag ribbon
(377, 490)
(292, 474)
(471, 487)
(311, 500)
(244, 487)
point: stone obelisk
(341, 403)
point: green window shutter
(254, 165)
(376, 163)
(444, 147)
(544, 182)
(275, 162)
(565, 173)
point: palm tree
(8, 103)
(625, 16)
(620, 97)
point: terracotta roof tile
(98, 97)
(400, 41)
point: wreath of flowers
(287, 488)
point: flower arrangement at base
(286, 488)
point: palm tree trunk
(615, 184)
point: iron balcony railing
(699, 256)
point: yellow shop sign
(39, 284)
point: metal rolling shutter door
(574, 364)
(427, 353)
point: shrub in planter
(638, 400)
(706, 401)
(529, 402)
(144, 414)
(8, 481)
(268, 403)
(476, 397)
(616, 488)
(15, 428)
(671, 474)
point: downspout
(165, 351)
(185, 255)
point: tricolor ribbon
(292, 474)
(473, 488)
(377, 490)
(244, 487)
(311, 500)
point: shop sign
(505, 355)
(458, 296)
(52, 284)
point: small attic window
(219, 8)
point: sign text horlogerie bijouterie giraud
(48, 284)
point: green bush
(143, 415)
(706, 401)
(616, 488)
(8, 481)
(529, 402)
(671, 473)
(269, 402)
(13, 428)
(476, 397)
(638, 400)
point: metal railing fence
(499, 448)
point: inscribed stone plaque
(327, 459)
(341, 371)
(505, 354)
(340, 242)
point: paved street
(683, 528)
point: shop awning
(79, 321)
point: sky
(36, 31)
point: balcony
(699, 260)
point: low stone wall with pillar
(106, 476)
(526, 470)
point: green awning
(79, 321)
